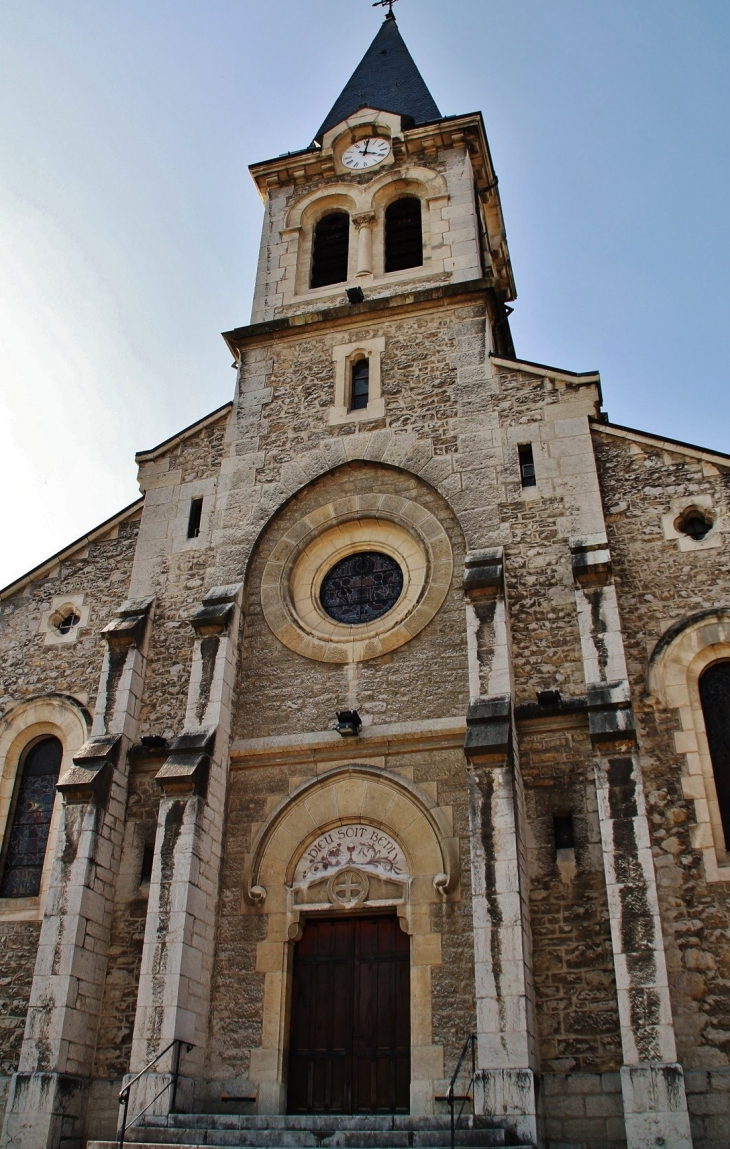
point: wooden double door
(349, 1049)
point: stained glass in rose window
(361, 588)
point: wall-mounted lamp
(348, 723)
(355, 295)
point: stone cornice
(329, 746)
(348, 314)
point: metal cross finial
(383, 3)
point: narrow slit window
(564, 832)
(30, 823)
(403, 234)
(195, 518)
(148, 857)
(527, 465)
(360, 385)
(330, 249)
(715, 698)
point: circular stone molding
(293, 576)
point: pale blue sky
(129, 225)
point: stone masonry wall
(418, 379)
(188, 470)
(658, 585)
(282, 693)
(18, 945)
(28, 667)
(125, 951)
(575, 985)
(119, 1003)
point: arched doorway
(349, 1048)
(355, 845)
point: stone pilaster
(177, 961)
(46, 1106)
(652, 1083)
(507, 1057)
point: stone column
(652, 1083)
(364, 224)
(179, 944)
(46, 1105)
(507, 1049)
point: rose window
(361, 588)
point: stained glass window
(31, 820)
(715, 696)
(361, 588)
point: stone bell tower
(383, 140)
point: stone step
(311, 1131)
(302, 1139)
(232, 1144)
(327, 1123)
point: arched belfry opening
(330, 249)
(403, 234)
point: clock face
(366, 153)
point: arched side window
(403, 234)
(330, 249)
(360, 385)
(30, 820)
(715, 697)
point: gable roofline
(387, 76)
(180, 437)
(49, 564)
(717, 458)
(544, 369)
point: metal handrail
(450, 1096)
(124, 1093)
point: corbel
(127, 628)
(217, 610)
(93, 765)
(186, 769)
(591, 560)
(489, 731)
(610, 714)
(484, 574)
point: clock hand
(367, 145)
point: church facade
(391, 722)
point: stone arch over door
(350, 798)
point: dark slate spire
(387, 79)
